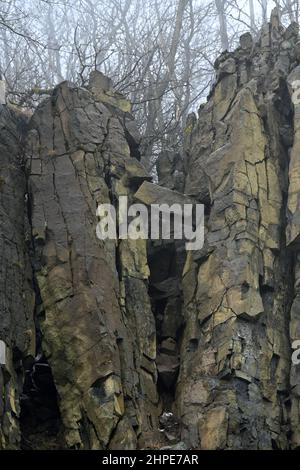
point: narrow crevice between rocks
(166, 260)
(40, 421)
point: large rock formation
(236, 388)
(94, 312)
(17, 331)
(119, 340)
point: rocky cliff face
(17, 329)
(93, 308)
(237, 387)
(110, 342)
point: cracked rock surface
(95, 315)
(17, 330)
(142, 344)
(236, 388)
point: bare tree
(252, 14)
(264, 10)
(220, 6)
(159, 54)
(289, 9)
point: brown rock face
(235, 389)
(138, 344)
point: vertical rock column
(233, 389)
(293, 242)
(17, 331)
(98, 328)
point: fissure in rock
(40, 421)
(166, 260)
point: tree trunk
(220, 5)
